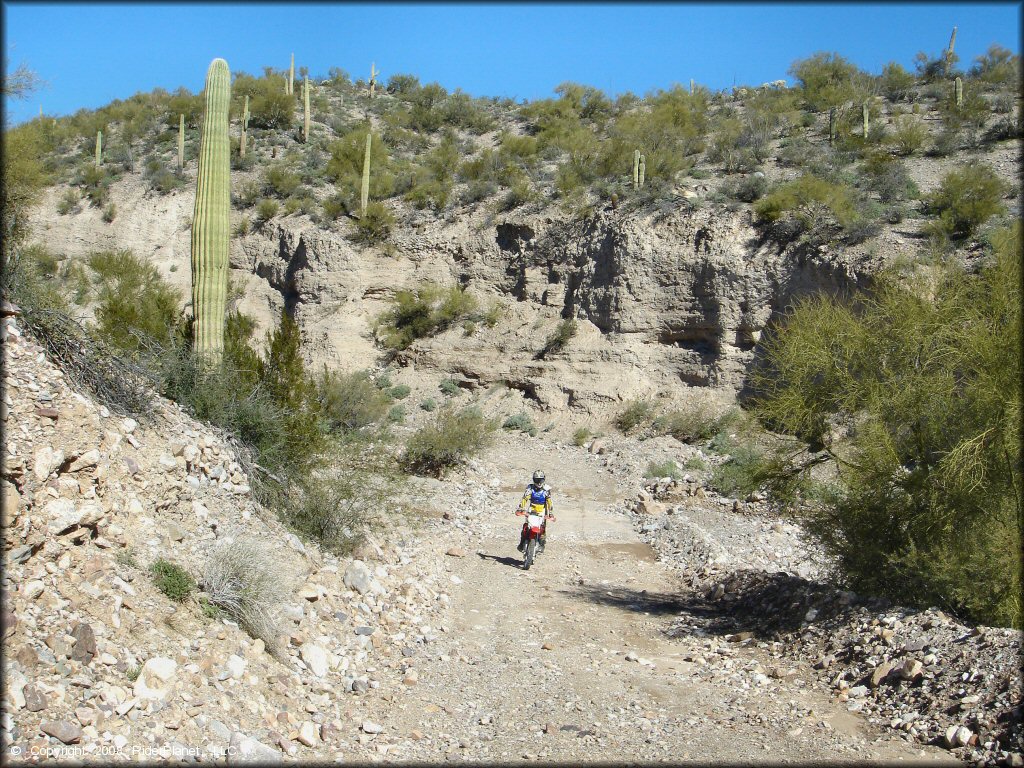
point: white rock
(129, 425)
(315, 657)
(371, 727)
(120, 742)
(236, 666)
(246, 749)
(358, 577)
(308, 734)
(33, 589)
(156, 679)
(46, 460)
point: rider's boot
(522, 542)
(540, 547)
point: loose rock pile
(755, 580)
(99, 664)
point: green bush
(558, 339)
(429, 404)
(580, 436)
(967, 197)
(451, 438)
(810, 205)
(375, 224)
(449, 387)
(281, 181)
(667, 468)
(636, 413)
(694, 424)
(350, 401)
(135, 307)
(399, 392)
(171, 579)
(265, 211)
(888, 176)
(896, 82)
(826, 79)
(997, 67)
(695, 464)
(68, 202)
(521, 422)
(423, 312)
(110, 213)
(741, 474)
(929, 367)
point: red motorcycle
(533, 529)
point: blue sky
(90, 54)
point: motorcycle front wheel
(531, 553)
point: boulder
(156, 680)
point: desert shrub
(967, 197)
(451, 438)
(242, 227)
(449, 388)
(134, 305)
(749, 189)
(668, 468)
(997, 67)
(580, 436)
(521, 422)
(696, 423)
(825, 79)
(269, 106)
(345, 168)
(908, 135)
(95, 184)
(265, 211)
(810, 205)
(332, 208)
(695, 463)
(888, 177)
(741, 473)
(171, 579)
(350, 401)
(399, 392)
(429, 404)
(374, 225)
(558, 339)
(396, 414)
(896, 82)
(246, 579)
(110, 213)
(423, 312)
(636, 413)
(282, 181)
(68, 202)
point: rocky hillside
(672, 286)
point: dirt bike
(533, 529)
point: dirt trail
(569, 661)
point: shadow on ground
(513, 562)
(766, 605)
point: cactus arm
(210, 220)
(958, 92)
(642, 170)
(99, 148)
(636, 169)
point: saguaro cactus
(867, 118)
(364, 195)
(691, 85)
(210, 230)
(636, 169)
(305, 109)
(949, 50)
(242, 139)
(832, 125)
(373, 78)
(958, 92)
(642, 170)
(181, 143)
(291, 77)
(99, 148)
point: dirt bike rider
(537, 494)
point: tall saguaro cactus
(832, 125)
(181, 143)
(99, 148)
(958, 92)
(373, 78)
(867, 118)
(636, 169)
(364, 195)
(642, 170)
(305, 109)
(245, 128)
(291, 77)
(210, 221)
(949, 50)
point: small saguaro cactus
(373, 78)
(305, 109)
(242, 139)
(642, 170)
(867, 118)
(958, 92)
(691, 85)
(364, 195)
(291, 77)
(832, 125)
(99, 148)
(181, 143)
(210, 220)
(636, 169)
